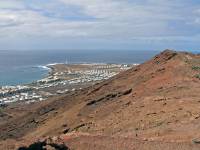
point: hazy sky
(100, 24)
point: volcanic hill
(153, 106)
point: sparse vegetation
(197, 76)
(196, 68)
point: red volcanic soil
(153, 106)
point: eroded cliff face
(155, 101)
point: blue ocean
(22, 67)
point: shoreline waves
(49, 68)
(30, 66)
(62, 78)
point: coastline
(61, 79)
(53, 67)
(31, 66)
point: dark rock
(196, 141)
(127, 92)
(66, 130)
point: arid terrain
(153, 106)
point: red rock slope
(152, 106)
